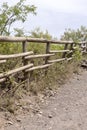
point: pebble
(50, 116)
(9, 122)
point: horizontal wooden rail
(15, 55)
(68, 59)
(2, 61)
(27, 39)
(2, 75)
(70, 51)
(57, 60)
(12, 39)
(74, 48)
(39, 56)
(2, 80)
(58, 51)
(82, 42)
(37, 40)
(48, 41)
(84, 52)
(38, 67)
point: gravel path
(64, 110)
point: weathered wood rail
(27, 66)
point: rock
(78, 79)
(18, 120)
(9, 122)
(39, 115)
(50, 116)
(40, 112)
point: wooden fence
(27, 66)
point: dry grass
(52, 78)
(56, 76)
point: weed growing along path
(65, 109)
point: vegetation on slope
(39, 80)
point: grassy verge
(13, 90)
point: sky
(55, 15)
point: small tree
(11, 14)
(75, 35)
(38, 33)
(78, 35)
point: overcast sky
(56, 15)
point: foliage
(10, 48)
(11, 14)
(37, 33)
(75, 35)
(8, 16)
(77, 55)
(78, 35)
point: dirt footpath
(65, 109)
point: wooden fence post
(24, 46)
(47, 52)
(25, 62)
(47, 58)
(71, 49)
(65, 48)
(24, 49)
